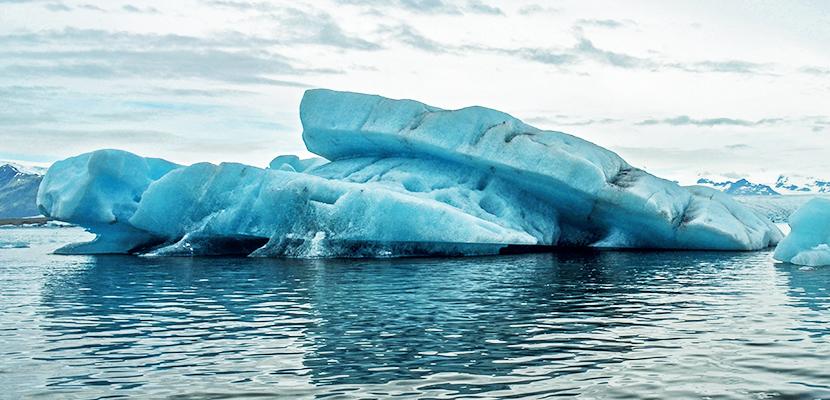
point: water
(595, 325)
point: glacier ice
(100, 191)
(204, 203)
(778, 209)
(809, 240)
(597, 196)
(13, 244)
(293, 163)
(398, 178)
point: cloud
(533, 9)
(604, 23)
(217, 65)
(13, 92)
(229, 57)
(57, 7)
(819, 123)
(562, 120)
(70, 137)
(319, 28)
(812, 70)
(133, 9)
(90, 7)
(409, 36)
(242, 5)
(477, 6)
(816, 122)
(727, 66)
(684, 120)
(429, 7)
(584, 50)
(65, 142)
(66, 70)
(94, 37)
(541, 55)
(587, 49)
(295, 27)
(188, 92)
(413, 6)
(55, 122)
(33, 106)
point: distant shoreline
(24, 221)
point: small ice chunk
(809, 241)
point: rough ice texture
(778, 209)
(809, 240)
(295, 164)
(598, 197)
(404, 179)
(300, 214)
(100, 191)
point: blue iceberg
(809, 241)
(397, 178)
(100, 191)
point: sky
(680, 88)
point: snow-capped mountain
(796, 184)
(18, 191)
(740, 187)
(28, 168)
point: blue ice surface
(809, 240)
(100, 191)
(293, 163)
(397, 178)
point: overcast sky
(677, 87)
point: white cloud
(222, 79)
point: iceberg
(278, 212)
(100, 191)
(598, 198)
(809, 240)
(397, 178)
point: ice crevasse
(396, 178)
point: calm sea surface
(592, 325)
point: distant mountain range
(18, 191)
(785, 184)
(740, 187)
(801, 185)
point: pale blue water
(595, 325)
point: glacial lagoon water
(587, 324)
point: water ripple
(590, 325)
